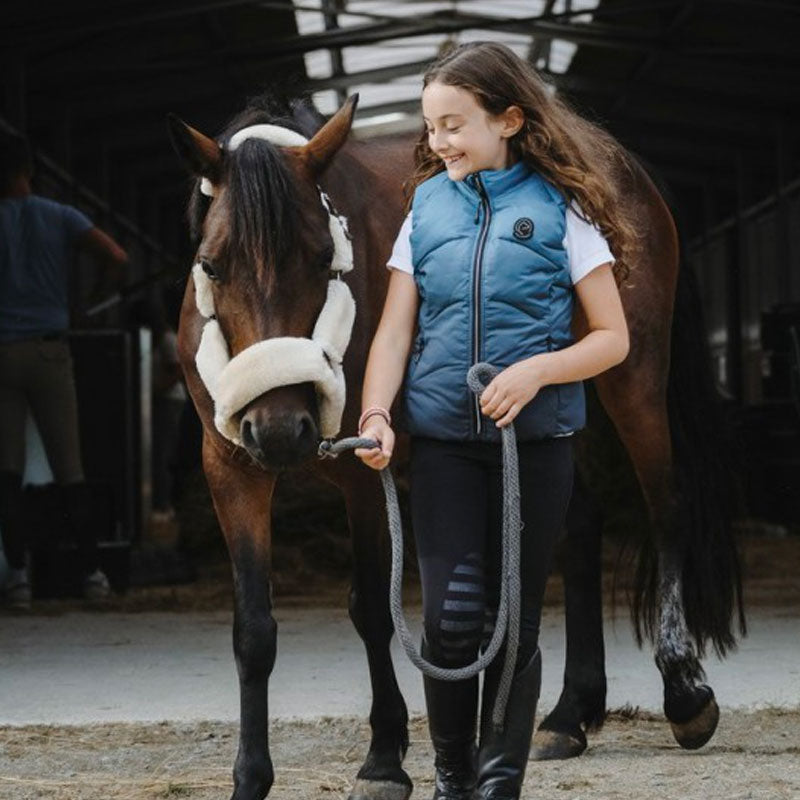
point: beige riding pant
(36, 374)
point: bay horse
(263, 239)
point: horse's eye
(326, 258)
(209, 270)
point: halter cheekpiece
(232, 383)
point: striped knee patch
(462, 617)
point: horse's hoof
(555, 746)
(694, 733)
(365, 789)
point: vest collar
(494, 181)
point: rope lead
(508, 612)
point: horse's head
(265, 250)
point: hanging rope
(508, 612)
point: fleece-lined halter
(286, 360)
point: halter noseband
(232, 383)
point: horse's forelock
(262, 204)
(299, 116)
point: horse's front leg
(242, 499)
(582, 704)
(381, 777)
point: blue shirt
(37, 237)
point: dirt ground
(753, 756)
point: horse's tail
(705, 483)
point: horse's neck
(366, 182)
(387, 159)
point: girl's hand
(376, 428)
(509, 391)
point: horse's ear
(330, 137)
(201, 155)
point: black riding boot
(452, 721)
(503, 755)
(12, 519)
(82, 525)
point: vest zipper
(477, 264)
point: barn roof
(707, 92)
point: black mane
(263, 203)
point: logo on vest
(523, 228)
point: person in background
(38, 241)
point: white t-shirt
(586, 247)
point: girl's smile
(463, 134)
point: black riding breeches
(456, 507)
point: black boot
(452, 721)
(12, 519)
(82, 525)
(503, 755)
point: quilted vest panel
(494, 285)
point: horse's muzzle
(279, 440)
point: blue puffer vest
(494, 285)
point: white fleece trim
(282, 361)
(206, 187)
(275, 134)
(203, 294)
(212, 356)
(335, 322)
(277, 362)
(233, 383)
(285, 137)
(340, 233)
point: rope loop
(508, 612)
(480, 376)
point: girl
(511, 193)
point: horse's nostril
(305, 428)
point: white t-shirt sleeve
(586, 247)
(401, 252)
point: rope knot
(328, 448)
(480, 376)
(325, 449)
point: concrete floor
(83, 667)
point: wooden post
(782, 240)
(329, 13)
(733, 288)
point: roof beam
(541, 44)
(330, 13)
(93, 21)
(272, 51)
(619, 37)
(92, 18)
(764, 91)
(377, 75)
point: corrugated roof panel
(411, 49)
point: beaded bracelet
(373, 411)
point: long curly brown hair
(579, 158)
